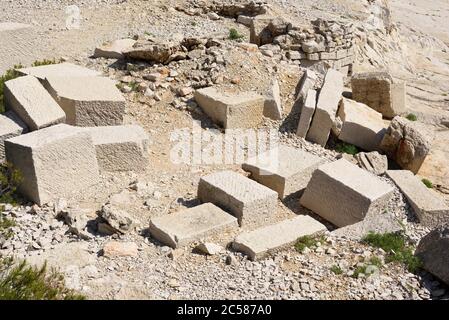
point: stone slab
(429, 207)
(273, 103)
(55, 162)
(10, 126)
(88, 101)
(285, 170)
(307, 112)
(121, 148)
(244, 198)
(184, 227)
(344, 194)
(64, 69)
(32, 103)
(261, 242)
(231, 110)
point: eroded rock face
(407, 142)
(433, 250)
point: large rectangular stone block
(32, 103)
(326, 108)
(285, 170)
(182, 228)
(10, 126)
(88, 101)
(121, 148)
(362, 126)
(58, 70)
(344, 194)
(231, 110)
(244, 198)
(259, 243)
(431, 209)
(55, 162)
(307, 112)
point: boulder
(307, 83)
(344, 194)
(113, 249)
(10, 126)
(433, 250)
(244, 198)
(32, 103)
(55, 162)
(307, 112)
(118, 219)
(115, 49)
(154, 52)
(264, 28)
(209, 248)
(380, 92)
(407, 142)
(374, 162)
(428, 206)
(361, 125)
(326, 109)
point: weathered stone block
(182, 228)
(285, 170)
(344, 194)
(115, 49)
(10, 126)
(362, 126)
(55, 162)
(244, 198)
(121, 148)
(231, 110)
(32, 103)
(261, 242)
(88, 101)
(58, 70)
(273, 103)
(326, 109)
(430, 208)
(307, 112)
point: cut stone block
(115, 49)
(121, 148)
(259, 243)
(182, 228)
(307, 82)
(10, 126)
(362, 126)
(379, 91)
(408, 143)
(344, 194)
(32, 103)
(244, 198)
(231, 110)
(307, 112)
(55, 162)
(58, 70)
(428, 206)
(326, 108)
(88, 101)
(285, 170)
(273, 104)
(374, 162)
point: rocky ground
(413, 52)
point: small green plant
(193, 24)
(343, 147)
(24, 282)
(412, 117)
(10, 179)
(396, 247)
(45, 62)
(133, 85)
(5, 227)
(307, 242)
(336, 270)
(9, 75)
(428, 183)
(234, 34)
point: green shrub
(307, 242)
(234, 34)
(10, 179)
(45, 62)
(343, 147)
(412, 117)
(396, 247)
(24, 282)
(336, 270)
(428, 183)
(9, 75)
(5, 227)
